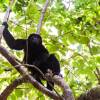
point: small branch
(6, 17)
(98, 70)
(33, 66)
(9, 89)
(97, 74)
(88, 44)
(42, 16)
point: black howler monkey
(34, 54)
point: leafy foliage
(73, 35)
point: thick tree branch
(92, 94)
(67, 93)
(9, 89)
(42, 16)
(23, 71)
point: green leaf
(95, 50)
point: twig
(28, 65)
(97, 74)
(9, 89)
(42, 16)
(88, 44)
(98, 71)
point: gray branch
(67, 92)
(6, 17)
(42, 16)
(9, 89)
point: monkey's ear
(5, 24)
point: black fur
(34, 53)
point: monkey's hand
(36, 63)
(5, 24)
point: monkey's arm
(17, 44)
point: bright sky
(68, 4)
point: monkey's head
(35, 39)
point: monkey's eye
(35, 38)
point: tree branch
(9, 89)
(6, 17)
(42, 16)
(67, 93)
(97, 74)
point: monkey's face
(35, 39)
